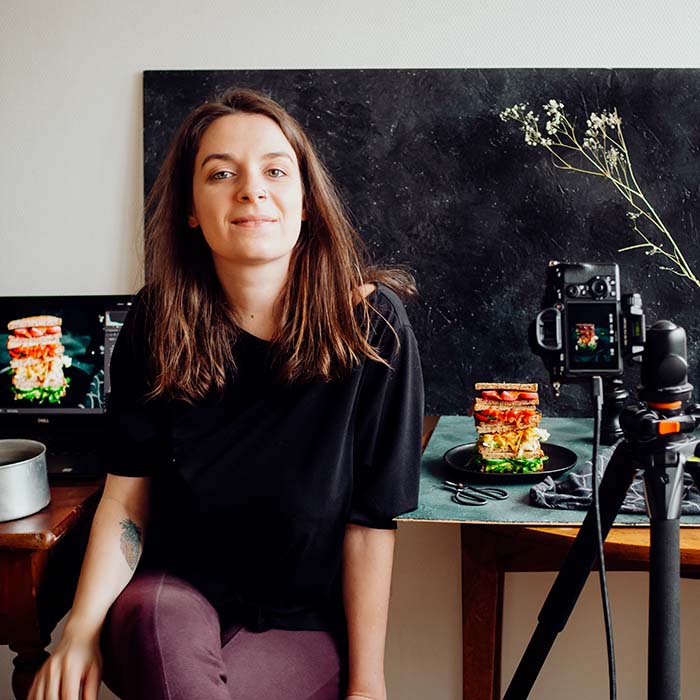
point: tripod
(654, 443)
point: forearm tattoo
(130, 542)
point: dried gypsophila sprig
(603, 153)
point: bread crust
(504, 386)
(497, 426)
(480, 403)
(34, 321)
(49, 363)
(508, 454)
(14, 342)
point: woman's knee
(155, 600)
(161, 632)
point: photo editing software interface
(55, 353)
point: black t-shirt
(251, 492)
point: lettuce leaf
(512, 465)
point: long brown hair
(192, 328)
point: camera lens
(599, 288)
(573, 291)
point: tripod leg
(664, 670)
(663, 486)
(578, 563)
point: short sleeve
(137, 444)
(388, 431)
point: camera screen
(593, 338)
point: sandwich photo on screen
(52, 354)
(37, 359)
(593, 339)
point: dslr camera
(587, 327)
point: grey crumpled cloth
(573, 491)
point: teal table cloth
(435, 503)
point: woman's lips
(253, 222)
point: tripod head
(658, 426)
(664, 374)
(659, 418)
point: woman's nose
(251, 190)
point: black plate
(561, 459)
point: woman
(267, 405)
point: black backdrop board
(436, 181)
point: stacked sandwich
(37, 358)
(506, 419)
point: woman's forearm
(367, 564)
(113, 550)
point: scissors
(473, 496)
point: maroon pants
(162, 640)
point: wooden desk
(491, 550)
(40, 559)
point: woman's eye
(222, 175)
(276, 172)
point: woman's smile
(253, 221)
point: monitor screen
(55, 352)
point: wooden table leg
(27, 662)
(482, 611)
(40, 559)
(22, 629)
(36, 591)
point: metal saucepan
(24, 484)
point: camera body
(588, 327)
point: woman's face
(247, 190)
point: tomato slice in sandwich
(528, 395)
(509, 396)
(490, 395)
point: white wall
(70, 211)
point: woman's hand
(76, 662)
